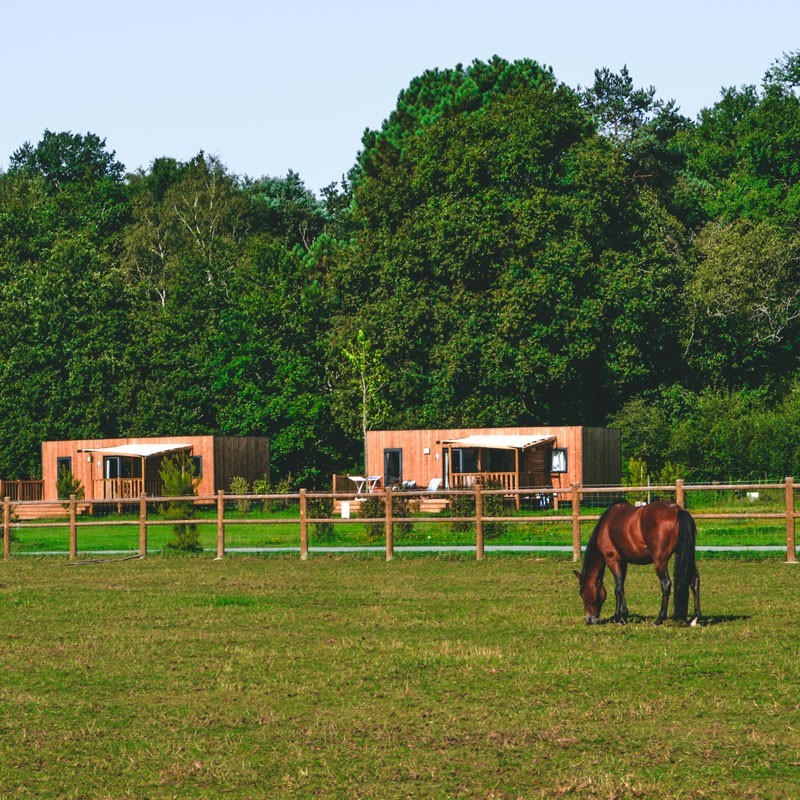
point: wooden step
(37, 510)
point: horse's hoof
(659, 621)
(695, 623)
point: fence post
(680, 495)
(303, 525)
(73, 528)
(389, 525)
(576, 522)
(142, 525)
(220, 524)
(479, 537)
(6, 528)
(791, 552)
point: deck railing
(22, 491)
(125, 488)
(469, 480)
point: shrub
(67, 485)
(493, 506)
(283, 486)
(373, 507)
(462, 505)
(179, 479)
(401, 510)
(240, 485)
(321, 508)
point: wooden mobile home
(119, 469)
(550, 457)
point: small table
(365, 484)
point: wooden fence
(575, 496)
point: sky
(269, 87)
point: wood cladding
(223, 458)
(593, 454)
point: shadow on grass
(705, 621)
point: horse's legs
(666, 586)
(620, 570)
(695, 585)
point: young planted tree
(370, 375)
(180, 480)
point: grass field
(419, 678)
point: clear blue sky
(273, 86)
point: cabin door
(392, 466)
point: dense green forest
(506, 250)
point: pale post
(142, 525)
(389, 525)
(680, 495)
(791, 551)
(303, 525)
(479, 538)
(576, 522)
(220, 524)
(73, 528)
(6, 528)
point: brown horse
(641, 535)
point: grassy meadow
(351, 677)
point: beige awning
(500, 441)
(139, 450)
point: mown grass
(419, 678)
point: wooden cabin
(549, 457)
(121, 469)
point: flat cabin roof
(138, 450)
(501, 441)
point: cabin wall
(240, 456)
(246, 456)
(602, 459)
(423, 453)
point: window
(558, 459)
(498, 460)
(63, 463)
(198, 466)
(465, 459)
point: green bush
(240, 485)
(493, 506)
(180, 480)
(321, 508)
(373, 507)
(67, 485)
(463, 505)
(283, 486)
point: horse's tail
(685, 566)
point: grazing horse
(641, 535)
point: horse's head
(593, 594)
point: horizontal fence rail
(568, 504)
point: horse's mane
(591, 545)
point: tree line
(506, 250)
